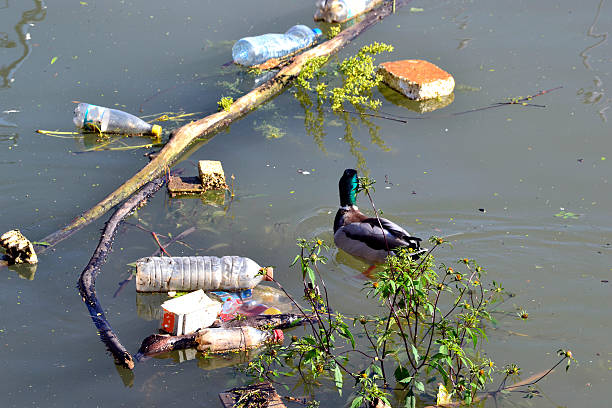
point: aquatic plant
(358, 74)
(225, 103)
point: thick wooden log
(207, 126)
(87, 281)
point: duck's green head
(348, 188)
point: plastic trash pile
(229, 282)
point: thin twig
(406, 119)
(159, 244)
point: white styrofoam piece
(188, 313)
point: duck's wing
(399, 235)
(360, 240)
(368, 231)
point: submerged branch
(87, 281)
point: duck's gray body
(363, 238)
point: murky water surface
(528, 167)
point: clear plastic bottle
(339, 11)
(257, 50)
(219, 340)
(163, 274)
(93, 118)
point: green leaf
(410, 402)
(441, 370)
(377, 370)
(419, 386)
(415, 352)
(295, 260)
(406, 380)
(309, 355)
(345, 332)
(310, 340)
(53, 60)
(443, 350)
(311, 275)
(402, 375)
(338, 378)
(357, 402)
(474, 339)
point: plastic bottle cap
(156, 130)
(317, 31)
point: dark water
(526, 166)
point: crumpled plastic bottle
(187, 273)
(251, 51)
(98, 119)
(219, 340)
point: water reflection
(24, 271)
(595, 95)
(8, 137)
(20, 49)
(314, 123)
(425, 106)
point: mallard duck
(361, 236)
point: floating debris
(211, 174)
(18, 248)
(211, 181)
(188, 313)
(339, 11)
(155, 274)
(417, 79)
(257, 396)
(221, 339)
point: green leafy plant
(269, 131)
(333, 31)
(225, 103)
(358, 78)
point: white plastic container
(188, 313)
(250, 51)
(339, 11)
(98, 119)
(164, 274)
(218, 340)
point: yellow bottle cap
(156, 130)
